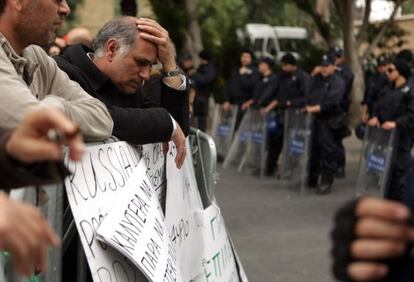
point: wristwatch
(175, 72)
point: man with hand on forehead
(115, 72)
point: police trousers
(325, 153)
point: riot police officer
(291, 90)
(346, 74)
(264, 90)
(395, 109)
(242, 81)
(324, 102)
(374, 86)
(263, 94)
(294, 83)
(203, 80)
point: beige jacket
(34, 80)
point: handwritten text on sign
(97, 180)
(135, 227)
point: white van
(273, 41)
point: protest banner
(189, 244)
(96, 182)
(183, 203)
(135, 227)
(155, 163)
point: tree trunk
(323, 9)
(129, 8)
(194, 43)
(351, 54)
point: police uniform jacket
(374, 87)
(137, 118)
(293, 87)
(327, 93)
(346, 74)
(397, 104)
(203, 81)
(264, 91)
(240, 86)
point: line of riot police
(325, 94)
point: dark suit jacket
(137, 118)
(14, 174)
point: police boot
(325, 187)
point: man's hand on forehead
(152, 31)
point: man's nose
(64, 8)
(145, 73)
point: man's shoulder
(36, 53)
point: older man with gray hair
(116, 72)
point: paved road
(279, 235)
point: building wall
(92, 14)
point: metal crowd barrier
(205, 166)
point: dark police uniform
(240, 88)
(203, 81)
(264, 92)
(374, 87)
(397, 104)
(346, 74)
(294, 88)
(289, 87)
(328, 93)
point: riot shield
(256, 155)
(223, 129)
(237, 155)
(296, 149)
(375, 161)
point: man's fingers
(76, 148)
(43, 120)
(40, 150)
(388, 210)
(362, 271)
(154, 39)
(179, 159)
(376, 249)
(151, 30)
(375, 228)
(146, 21)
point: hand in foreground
(382, 232)
(25, 234)
(30, 143)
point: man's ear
(112, 48)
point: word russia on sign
(96, 181)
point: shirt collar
(82, 56)
(21, 64)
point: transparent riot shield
(256, 155)
(223, 129)
(237, 155)
(296, 148)
(375, 162)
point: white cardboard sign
(135, 226)
(96, 182)
(183, 203)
